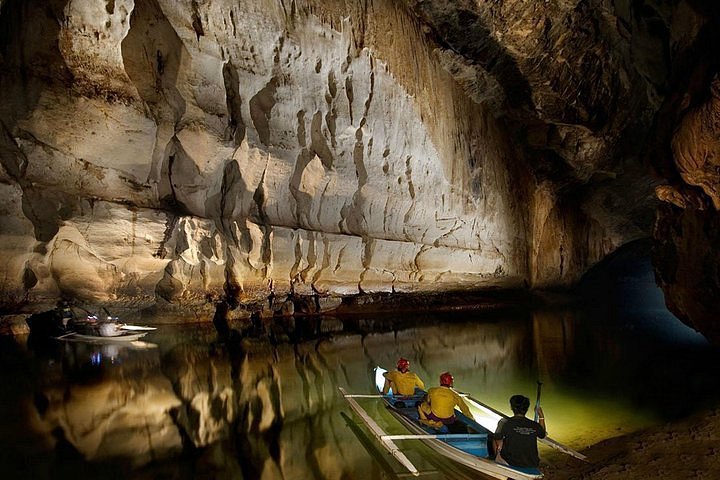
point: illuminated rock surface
(163, 153)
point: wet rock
(14, 325)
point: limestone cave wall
(159, 153)
(163, 151)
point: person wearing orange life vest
(438, 409)
(402, 381)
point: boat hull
(78, 337)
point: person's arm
(419, 384)
(463, 406)
(498, 448)
(498, 438)
(541, 421)
(386, 386)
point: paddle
(537, 401)
(110, 317)
(83, 309)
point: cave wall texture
(170, 152)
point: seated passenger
(516, 437)
(438, 408)
(402, 381)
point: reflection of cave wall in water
(279, 397)
(263, 400)
(116, 406)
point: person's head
(446, 380)
(403, 365)
(519, 404)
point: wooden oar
(537, 401)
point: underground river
(179, 404)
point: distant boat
(79, 337)
(104, 331)
(63, 324)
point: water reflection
(267, 407)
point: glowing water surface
(183, 405)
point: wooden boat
(79, 337)
(109, 331)
(471, 447)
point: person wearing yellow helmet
(402, 381)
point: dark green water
(181, 405)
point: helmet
(446, 380)
(403, 364)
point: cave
(290, 185)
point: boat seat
(409, 401)
(477, 446)
(410, 412)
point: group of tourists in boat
(490, 442)
(515, 439)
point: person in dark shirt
(516, 437)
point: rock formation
(688, 228)
(166, 152)
(163, 153)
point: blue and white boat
(472, 447)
